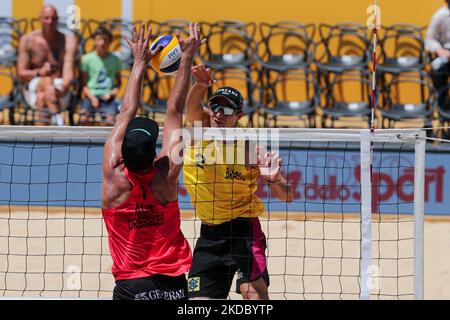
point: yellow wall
(99, 10)
(26, 8)
(329, 11)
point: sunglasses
(227, 110)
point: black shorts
(156, 287)
(221, 251)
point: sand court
(63, 252)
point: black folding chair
(9, 95)
(402, 49)
(295, 94)
(342, 47)
(348, 96)
(229, 44)
(155, 93)
(169, 26)
(11, 30)
(285, 45)
(396, 108)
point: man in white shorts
(46, 65)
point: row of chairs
(282, 46)
(287, 52)
(293, 98)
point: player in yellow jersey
(223, 194)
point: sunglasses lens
(226, 110)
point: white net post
(366, 215)
(419, 205)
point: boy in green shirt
(100, 74)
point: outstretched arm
(177, 99)
(112, 155)
(194, 109)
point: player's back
(145, 236)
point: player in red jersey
(139, 191)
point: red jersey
(144, 236)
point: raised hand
(269, 164)
(139, 45)
(190, 45)
(202, 76)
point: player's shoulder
(116, 178)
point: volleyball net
(354, 229)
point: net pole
(374, 71)
(374, 86)
(419, 205)
(366, 214)
(367, 180)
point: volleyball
(168, 59)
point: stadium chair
(229, 44)
(100, 118)
(285, 45)
(402, 49)
(294, 94)
(342, 47)
(396, 108)
(167, 27)
(155, 93)
(249, 88)
(9, 92)
(348, 97)
(10, 32)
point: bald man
(46, 65)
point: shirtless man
(46, 65)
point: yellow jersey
(220, 185)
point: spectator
(46, 65)
(100, 74)
(438, 43)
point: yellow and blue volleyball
(168, 59)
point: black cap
(139, 144)
(229, 94)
